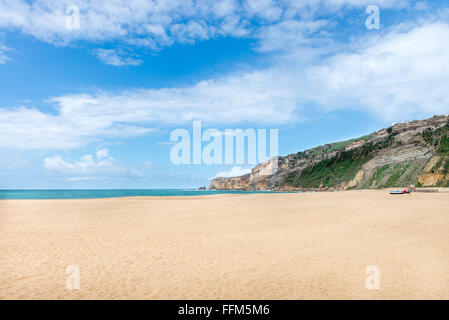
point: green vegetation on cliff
(339, 169)
(377, 177)
(335, 146)
(438, 138)
(394, 175)
(329, 172)
(444, 145)
(398, 172)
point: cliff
(415, 152)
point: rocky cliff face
(414, 152)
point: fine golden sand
(248, 246)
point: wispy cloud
(289, 34)
(234, 172)
(116, 58)
(27, 128)
(157, 24)
(403, 73)
(398, 73)
(152, 25)
(3, 57)
(84, 118)
(76, 179)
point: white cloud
(400, 75)
(234, 172)
(102, 153)
(85, 118)
(86, 164)
(103, 20)
(289, 34)
(421, 6)
(245, 97)
(80, 179)
(162, 22)
(3, 56)
(103, 165)
(26, 128)
(266, 9)
(116, 58)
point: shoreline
(421, 190)
(89, 192)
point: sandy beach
(249, 246)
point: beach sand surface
(244, 246)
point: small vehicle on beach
(405, 191)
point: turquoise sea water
(108, 193)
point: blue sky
(94, 107)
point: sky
(91, 91)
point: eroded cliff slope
(415, 152)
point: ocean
(109, 193)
